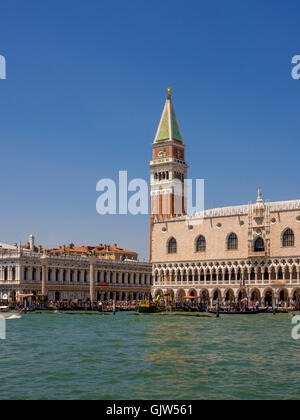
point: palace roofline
(242, 210)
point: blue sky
(86, 84)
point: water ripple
(145, 357)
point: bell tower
(168, 169)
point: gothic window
(259, 245)
(266, 274)
(232, 242)
(172, 246)
(288, 238)
(201, 244)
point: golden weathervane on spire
(169, 91)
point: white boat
(7, 314)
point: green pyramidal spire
(168, 128)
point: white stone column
(114, 277)
(132, 278)
(19, 273)
(44, 262)
(92, 261)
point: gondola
(234, 312)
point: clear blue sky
(86, 83)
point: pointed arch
(216, 294)
(259, 245)
(172, 245)
(200, 244)
(255, 294)
(229, 295)
(288, 238)
(180, 295)
(204, 295)
(232, 242)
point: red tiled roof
(88, 249)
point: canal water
(128, 356)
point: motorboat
(6, 313)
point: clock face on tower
(162, 154)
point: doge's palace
(250, 251)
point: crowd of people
(125, 305)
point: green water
(53, 356)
